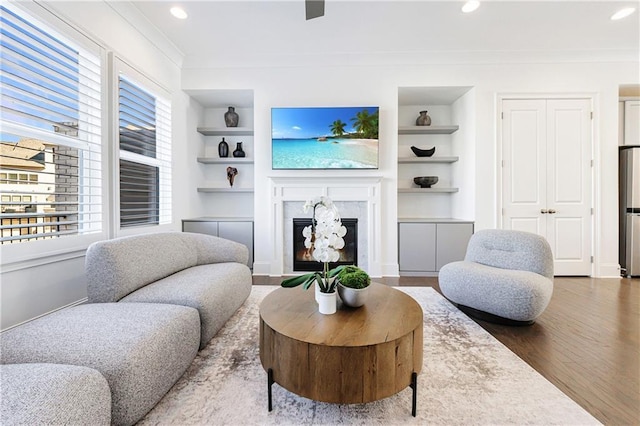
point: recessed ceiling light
(470, 6)
(178, 12)
(623, 13)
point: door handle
(552, 211)
(544, 211)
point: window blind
(50, 106)
(144, 122)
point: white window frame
(163, 149)
(29, 253)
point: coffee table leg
(269, 383)
(414, 386)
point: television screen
(324, 138)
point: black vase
(238, 152)
(231, 117)
(223, 149)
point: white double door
(547, 176)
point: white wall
(334, 84)
(30, 288)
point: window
(144, 128)
(50, 136)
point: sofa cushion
(215, 290)
(140, 348)
(210, 249)
(117, 267)
(53, 394)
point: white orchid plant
(324, 238)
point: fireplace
(304, 261)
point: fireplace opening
(304, 261)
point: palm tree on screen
(366, 124)
(337, 127)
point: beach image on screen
(324, 138)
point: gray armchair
(506, 277)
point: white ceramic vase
(327, 303)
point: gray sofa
(196, 270)
(154, 301)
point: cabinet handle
(552, 211)
(544, 211)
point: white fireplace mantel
(339, 189)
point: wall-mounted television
(324, 138)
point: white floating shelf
(426, 190)
(229, 190)
(225, 131)
(427, 130)
(428, 159)
(227, 160)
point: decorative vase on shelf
(327, 303)
(231, 117)
(423, 119)
(223, 149)
(239, 152)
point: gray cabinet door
(451, 242)
(201, 227)
(241, 232)
(417, 251)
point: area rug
(468, 377)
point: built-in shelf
(428, 159)
(227, 160)
(427, 130)
(225, 131)
(229, 190)
(427, 190)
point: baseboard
(418, 274)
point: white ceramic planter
(317, 288)
(327, 303)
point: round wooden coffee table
(356, 355)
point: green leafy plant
(321, 277)
(354, 277)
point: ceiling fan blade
(314, 8)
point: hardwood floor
(587, 342)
